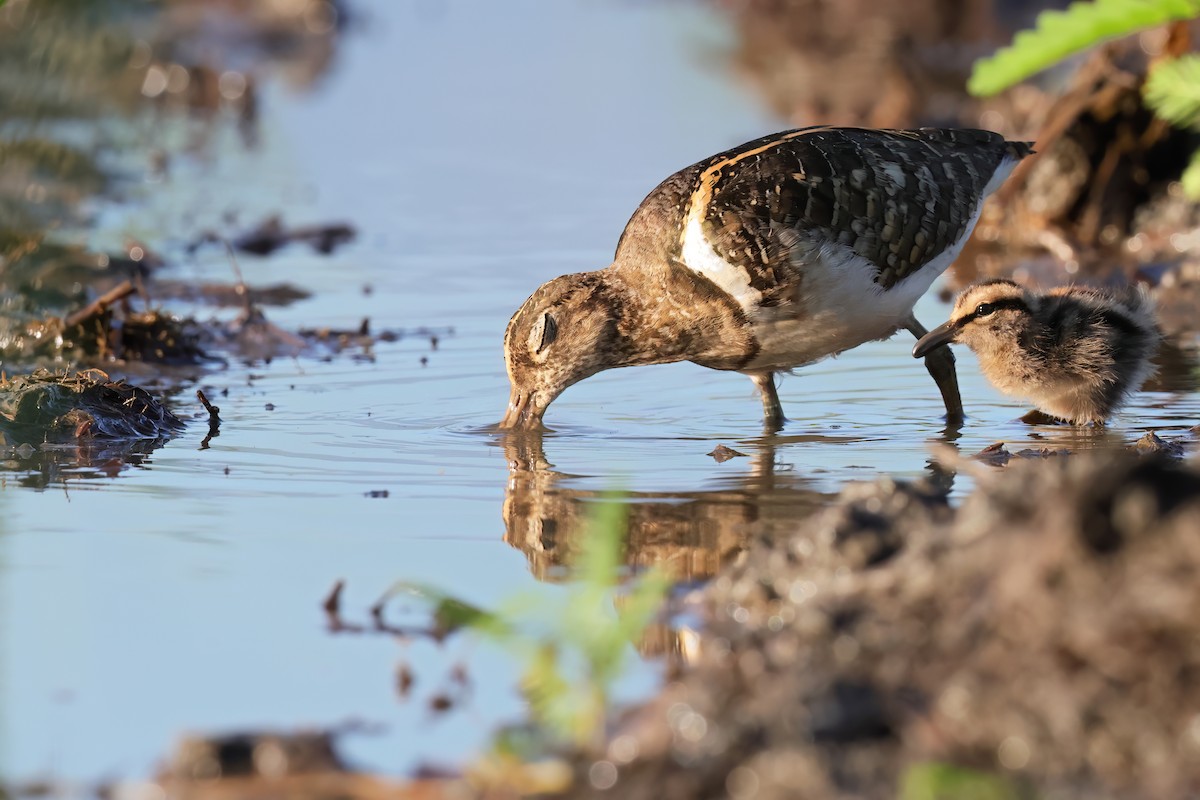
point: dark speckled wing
(896, 198)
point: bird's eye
(545, 331)
(983, 309)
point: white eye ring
(544, 331)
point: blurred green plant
(1059, 34)
(1172, 89)
(64, 68)
(936, 781)
(571, 653)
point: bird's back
(1090, 329)
(897, 199)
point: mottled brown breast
(896, 198)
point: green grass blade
(603, 543)
(1058, 34)
(588, 617)
(643, 602)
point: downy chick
(1076, 353)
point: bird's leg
(940, 363)
(773, 418)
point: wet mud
(1040, 633)
(82, 406)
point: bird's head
(986, 315)
(565, 332)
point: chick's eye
(983, 309)
(545, 331)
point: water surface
(480, 151)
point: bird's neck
(662, 315)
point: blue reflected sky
(480, 149)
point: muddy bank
(864, 62)
(1042, 635)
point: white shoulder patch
(700, 257)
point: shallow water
(479, 152)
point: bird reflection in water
(691, 535)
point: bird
(766, 257)
(1077, 353)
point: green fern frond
(1173, 91)
(1058, 34)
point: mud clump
(66, 408)
(269, 755)
(104, 330)
(1042, 635)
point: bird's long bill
(523, 411)
(941, 335)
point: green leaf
(1058, 34)
(1191, 177)
(934, 781)
(1173, 91)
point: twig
(100, 304)
(214, 412)
(214, 419)
(241, 281)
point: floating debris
(230, 295)
(1042, 452)
(271, 235)
(721, 453)
(1152, 445)
(997, 455)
